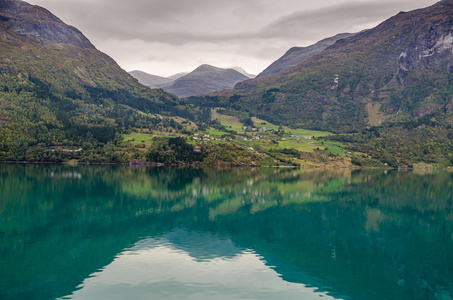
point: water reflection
(160, 269)
(339, 233)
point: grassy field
(139, 138)
(214, 132)
(299, 132)
(334, 147)
(302, 139)
(231, 123)
(304, 145)
(306, 132)
(261, 123)
(273, 138)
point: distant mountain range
(203, 80)
(208, 79)
(154, 81)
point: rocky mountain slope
(35, 42)
(32, 21)
(399, 71)
(297, 55)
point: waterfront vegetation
(59, 128)
(44, 122)
(41, 123)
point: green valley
(259, 143)
(380, 98)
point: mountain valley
(386, 93)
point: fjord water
(114, 232)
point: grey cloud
(190, 23)
(179, 22)
(346, 17)
(255, 32)
(154, 19)
(166, 21)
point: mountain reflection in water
(158, 268)
(102, 232)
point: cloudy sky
(165, 37)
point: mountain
(36, 22)
(399, 71)
(203, 80)
(35, 42)
(297, 55)
(242, 71)
(58, 91)
(176, 76)
(154, 81)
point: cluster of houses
(259, 129)
(258, 137)
(57, 149)
(265, 129)
(207, 137)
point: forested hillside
(59, 94)
(398, 71)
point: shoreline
(155, 164)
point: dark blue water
(103, 232)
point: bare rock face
(36, 22)
(431, 46)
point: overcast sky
(165, 37)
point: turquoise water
(103, 232)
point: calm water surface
(102, 232)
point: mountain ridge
(154, 81)
(33, 21)
(399, 67)
(297, 55)
(202, 80)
